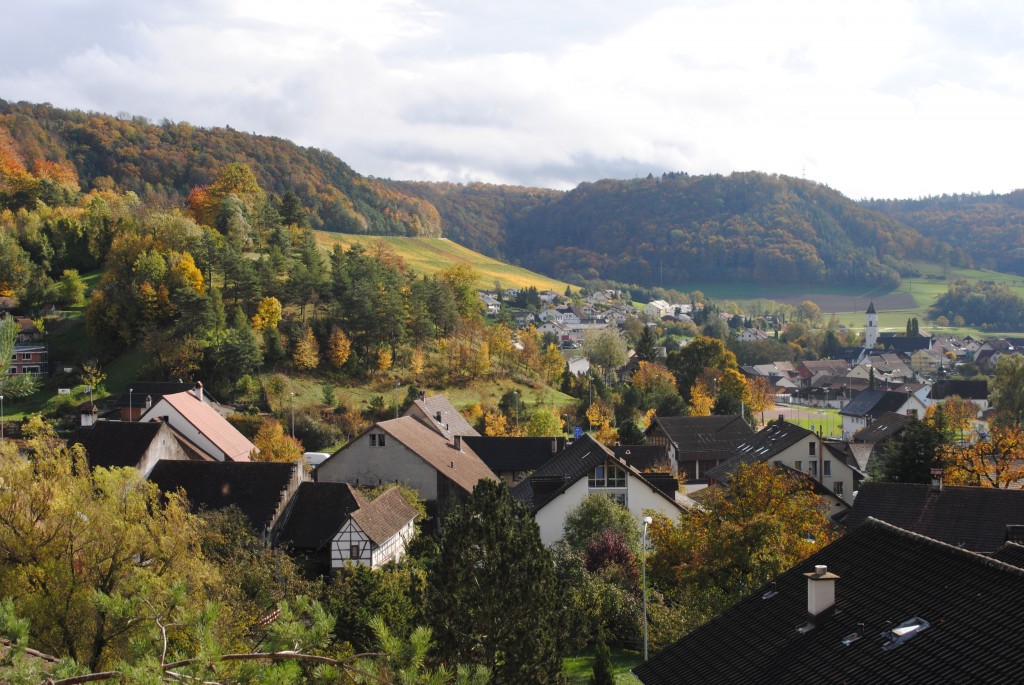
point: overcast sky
(875, 99)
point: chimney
(149, 402)
(199, 390)
(821, 596)
(781, 418)
(437, 416)
(554, 445)
(936, 480)
(458, 445)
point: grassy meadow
(430, 255)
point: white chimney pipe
(199, 390)
(821, 591)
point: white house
(376, 533)
(201, 425)
(587, 467)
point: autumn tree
(339, 348)
(997, 461)
(958, 413)
(274, 445)
(543, 423)
(744, 533)
(760, 395)
(306, 354)
(702, 398)
(94, 557)
(690, 362)
(268, 314)
(605, 349)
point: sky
(876, 99)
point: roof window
(903, 632)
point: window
(812, 468)
(826, 468)
(607, 476)
(26, 356)
(376, 439)
(811, 447)
(798, 465)
(838, 488)
(353, 551)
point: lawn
(579, 668)
(430, 255)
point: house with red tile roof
(201, 425)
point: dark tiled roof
(116, 443)
(762, 446)
(874, 403)
(382, 518)
(576, 461)
(514, 454)
(886, 576)
(693, 433)
(558, 473)
(1011, 553)
(901, 343)
(969, 390)
(644, 457)
(884, 427)
(968, 517)
(255, 488)
(317, 512)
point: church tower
(871, 330)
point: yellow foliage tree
(306, 355)
(496, 424)
(384, 359)
(268, 314)
(552, 364)
(996, 462)
(339, 348)
(760, 394)
(274, 445)
(702, 399)
(416, 361)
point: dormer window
(607, 475)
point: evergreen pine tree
(492, 590)
(602, 661)
(646, 346)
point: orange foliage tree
(995, 462)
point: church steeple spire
(871, 327)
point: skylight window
(904, 631)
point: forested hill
(679, 228)
(985, 231)
(167, 161)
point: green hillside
(430, 255)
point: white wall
(163, 408)
(360, 464)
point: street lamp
(516, 393)
(1, 417)
(130, 403)
(643, 567)
(291, 406)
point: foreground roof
(970, 517)
(111, 444)
(886, 576)
(212, 425)
(256, 488)
(382, 518)
(884, 427)
(874, 403)
(705, 433)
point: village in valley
(898, 473)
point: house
(868, 405)
(491, 304)
(31, 359)
(585, 467)
(697, 443)
(312, 521)
(376, 533)
(647, 459)
(28, 332)
(112, 444)
(261, 490)
(869, 442)
(975, 391)
(405, 450)
(811, 370)
(201, 425)
(752, 335)
(903, 344)
(791, 446)
(142, 395)
(879, 605)
(658, 309)
(438, 413)
(972, 518)
(513, 458)
(926, 361)
(549, 296)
